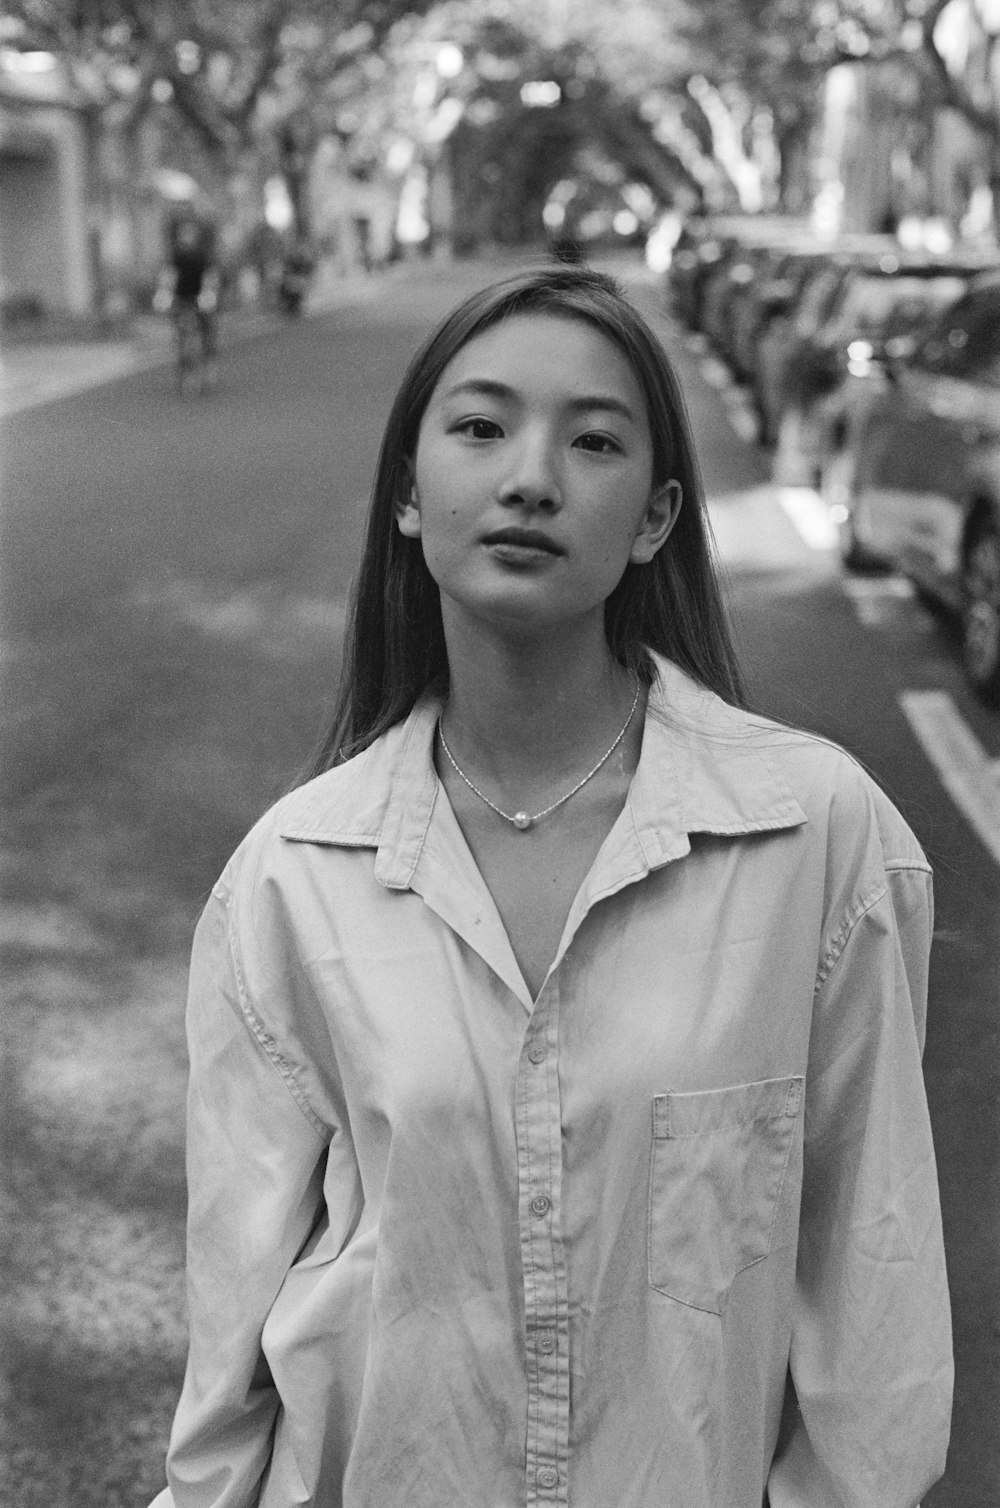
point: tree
(778, 51)
(214, 61)
(242, 77)
(510, 142)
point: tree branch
(985, 118)
(270, 46)
(202, 113)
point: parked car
(870, 298)
(707, 250)
(695, 254)
(772, 294)
(837, 418)
(925, 492)
(789, 327)
(718, 286)
(751, 249)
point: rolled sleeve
(255, 1164)
(871, 1356)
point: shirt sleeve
(255, 1165)
(871, 1359)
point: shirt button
(538, 1052)
(547, 1477)
(540, 1204)
(546, 1342)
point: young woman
(557, 1132)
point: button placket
(546, 1308)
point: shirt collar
(704, 768)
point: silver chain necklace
(521, 820)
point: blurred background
(223, 231)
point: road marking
(753, 534)
(874, 597)
(810, 515)
(968, 773)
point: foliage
(605, 67)
(215, 62)
(779, 49)
(711, 99)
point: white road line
(810, 515)
(873, 597)
(968, 773)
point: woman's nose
(533, 477)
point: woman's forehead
(542, 348)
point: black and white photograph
(500, 767)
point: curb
(38, 372)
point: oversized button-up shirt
(667, 1236)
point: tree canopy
(717, 98)
(214, 62)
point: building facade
(46, 248)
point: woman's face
(533, 485)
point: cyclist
(189, 288)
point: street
(174, 583)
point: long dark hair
(394, 649)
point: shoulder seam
(269, 1047)
(895, 866)
(838, 944)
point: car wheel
(853, 552)
(981, 613)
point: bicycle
(187, 334)
(194, 336)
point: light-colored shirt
(667, 1235)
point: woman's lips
(521, 544)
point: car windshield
(879, 305)
(966, 340)
(915, 308)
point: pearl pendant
(521, 821)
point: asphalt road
(173, 585)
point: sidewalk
(43, 368)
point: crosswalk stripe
(810, 515)
(968, 773)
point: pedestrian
(557, 1132)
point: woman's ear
(661, 514)
(408, 513)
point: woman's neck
(519, 710)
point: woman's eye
(479, 429)
(602, 444)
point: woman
(557, 1131)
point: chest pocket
(716, 1172)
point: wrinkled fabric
(667, 1235)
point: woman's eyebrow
(487, 387)
(606, 401)
(484, 387)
